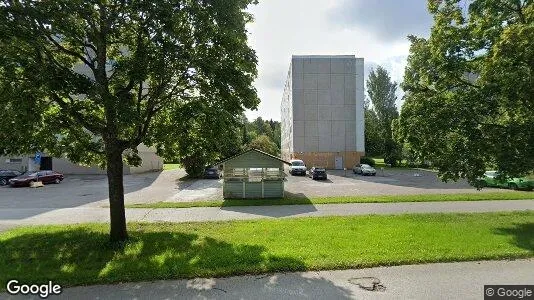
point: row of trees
(263, 135)
(207, 139)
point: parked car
(5, 175)
(297, 167)
(364, 169)
(490, 179)
(318, 173)
(212, 173)
(43, 176)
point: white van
(297, 167)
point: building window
(14, 160)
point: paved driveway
(92, 190)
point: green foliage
(392, 152)
(367, 160)
(469, 89)
(59, 96)
(379, 119)
(266, 128)
(374, 144)
(93, 80)
(265, 144)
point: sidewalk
(464, 280)
(15, 217)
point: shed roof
(250, 150)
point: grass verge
(511, 195)
(170, 166)
(79, 254)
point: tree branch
(65, 50)
(94, 128)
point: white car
(364, 169)
(297, 167)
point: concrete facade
(322, 111)
(151, 162)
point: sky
(376, 30)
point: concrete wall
(19, 166)
(151, 162)
(328, 159)
(286, 112)
(322, 107)
(64, 166)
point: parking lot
(92, 190)
(386, 182)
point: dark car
(318, 173)
(212, 173)
(43, 176)
(5, 175)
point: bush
(194, 165)
(367, 160)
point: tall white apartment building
(322, 111)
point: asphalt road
(15, 217)
(464, 280)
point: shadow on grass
(80, 255)
(522, 234)
(291, 204)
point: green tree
(381, 91)
(469, 88)
(374, 145)
(91, 80)
(264, 144)
(277, 135)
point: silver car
(364, 169)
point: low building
(151, 162)
(253, 174)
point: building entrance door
(46, 163)
(339, 163)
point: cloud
(389, 20)
(304, 27)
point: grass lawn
(170, 166)
(379, 162)
(79, 254)
(509, 195)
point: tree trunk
(116, 194)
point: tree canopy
(379, 118)
(265, 144)
(91, 80)
(470, 89)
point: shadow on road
(75, 190)
(295, 204)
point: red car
(43, 176)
